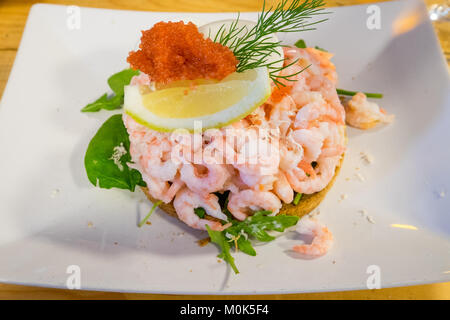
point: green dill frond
(253, 47)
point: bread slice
(307, 204)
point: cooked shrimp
(325, 169)
(186, 201)
(298, 80)
(322, 58)
(246, 201)
(292, 152)
(319, 76)
(304, 97)
(311, 141)
(317, 62)
(282, 113)
(327, 89)
(363, 114)
(242, 124)
(162, 190)
(283, 189)
(235, 140)
(257, 117)
(141, 79)
(334, 142)
(307, 168)
(315, 112)
(260, 157)
(175, 186)
(234, 184)
(156, 187)
(258, 182)
(186, 147)
(322, 241)
(216, 150)
(156, 160)
(257, 162)
(204, 178)
(318, 59)
(136, 130)
(295, 175)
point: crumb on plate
(370, 219)
(363, 212)
(367, 157)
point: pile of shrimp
(306, 125)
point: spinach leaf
(97, 104)
(107, 157)
(121, 79)
(116, 82)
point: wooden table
(13, 15)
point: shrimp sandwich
(268, 140)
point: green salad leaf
(352, 93)
(319, 48)
(107, 157)
(155, 205)
(300, 44)
(245, 245)
(260, 222)
(218, 237)
(200, 212)
(240, 233)
(298, 197)
(116, 82)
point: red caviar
(172, 51)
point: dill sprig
(253, 47)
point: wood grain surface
(13, 15)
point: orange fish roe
(278, 93)
(172, 51)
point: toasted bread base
(307, 204)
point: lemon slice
(214, 104)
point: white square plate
(52, 218)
